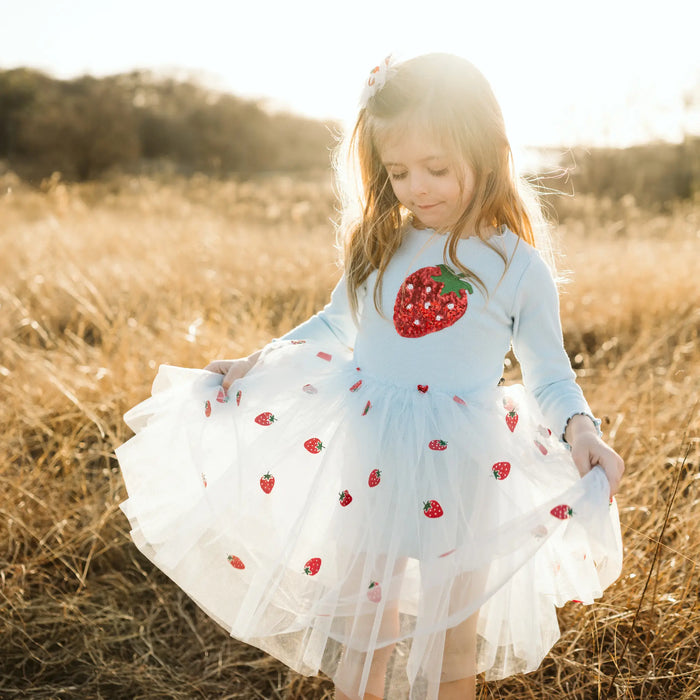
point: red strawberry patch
(222, 396)
(374, 478)
(432, 509)
(235, 562)
(459, 400)
(374, 593)
(267, 481)
(345, 498)
(423, 388)
(311, 568)
(429, 300)
(207, 408)
(297, 342)
(511, 420)
(265, 418)
(314, 445)
(562, 511)
(324, 356)
(368, 405)
(356, 385)
(501, 470)
(238, 397)
(437, 445)
(204, 479)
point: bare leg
(463, 689)
(459, 662)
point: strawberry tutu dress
(369, 486)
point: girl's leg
(459, 662)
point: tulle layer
(321, 514)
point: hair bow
(376, 80)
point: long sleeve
(538, 344)
(334, 322)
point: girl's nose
(418, 185)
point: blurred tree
(81, 127)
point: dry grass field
(101, 282)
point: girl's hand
(233, 369)
(589, 450)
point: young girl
(363, 497)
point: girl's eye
(439, 173)
(397, 176)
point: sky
(597, 73)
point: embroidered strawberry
(501, 470)
(238, 397)
(508, 403)
(207, 408)
(544, 431)
(374, 478)
(324, 356)
(562, 511)
(297, 342)
(423, 388)
(438, 445)
(430, 299)
(540, 447)
(432, 509)
(309, 389)
(345, 498)
(459, 400)
(374, 592)
(265, 418)
(267, 481)
(222, 396)
(368, 405)
(235, 562)
(511, 420)
(356, 385)
(447, 553)
(204, 480)
(312, 566)
(314, 445)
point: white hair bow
(376, 80)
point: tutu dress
(371, 484)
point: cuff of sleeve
(596, 423)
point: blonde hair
(452, 100)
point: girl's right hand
(233, 369)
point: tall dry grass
(100, 283)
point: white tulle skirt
(321, 514)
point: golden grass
(99, 283)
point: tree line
(85, 126)
(136, 121)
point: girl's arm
(538, 344)
(333, 324)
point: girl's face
(430, 183)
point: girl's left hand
(589, 450)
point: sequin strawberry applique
(429, 300)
